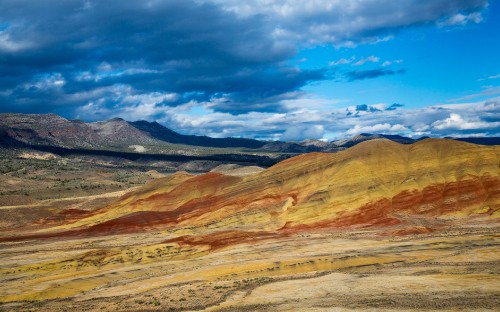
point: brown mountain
(162, 133)
(49, 129)
(53, 130)
(117, 131)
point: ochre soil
(446, 270)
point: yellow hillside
(371, 184)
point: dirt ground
(358, 271)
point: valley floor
(322, 271)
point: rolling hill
(376, 184)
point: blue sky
(271, 69)
(439, 63)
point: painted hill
(376, 184)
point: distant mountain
(368, 136)
(55, 131)
(317, 143)
(118, 132)
(286, 147)
(49, 129)
(405, 140)
(162, 133)
(482, 141)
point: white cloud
(92, 110)
(151, 98)
(489, 77)
(104, 67)
(388, 63)
(378, 128)
(9, 45)
(300, 123)
(420, 128)
(310, 102)
(302, 119)
(105, 70)
(461, 19)
(456, 121)
(371, 59)
(121, 101)
(342, 61)
(46, 81)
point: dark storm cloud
(372, 73)
(63, 56)
(175, 46)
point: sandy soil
(315, 272)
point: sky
(269, 69)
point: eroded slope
(374, 184)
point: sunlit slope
(376, 183)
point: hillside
(422, 218)
(378, 183)
(49, 129)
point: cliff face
(378, 183)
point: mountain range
(17, 130)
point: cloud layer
(187, 62)
(458, 120)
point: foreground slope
(378, 227)
(378, 183)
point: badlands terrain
(379, 226)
